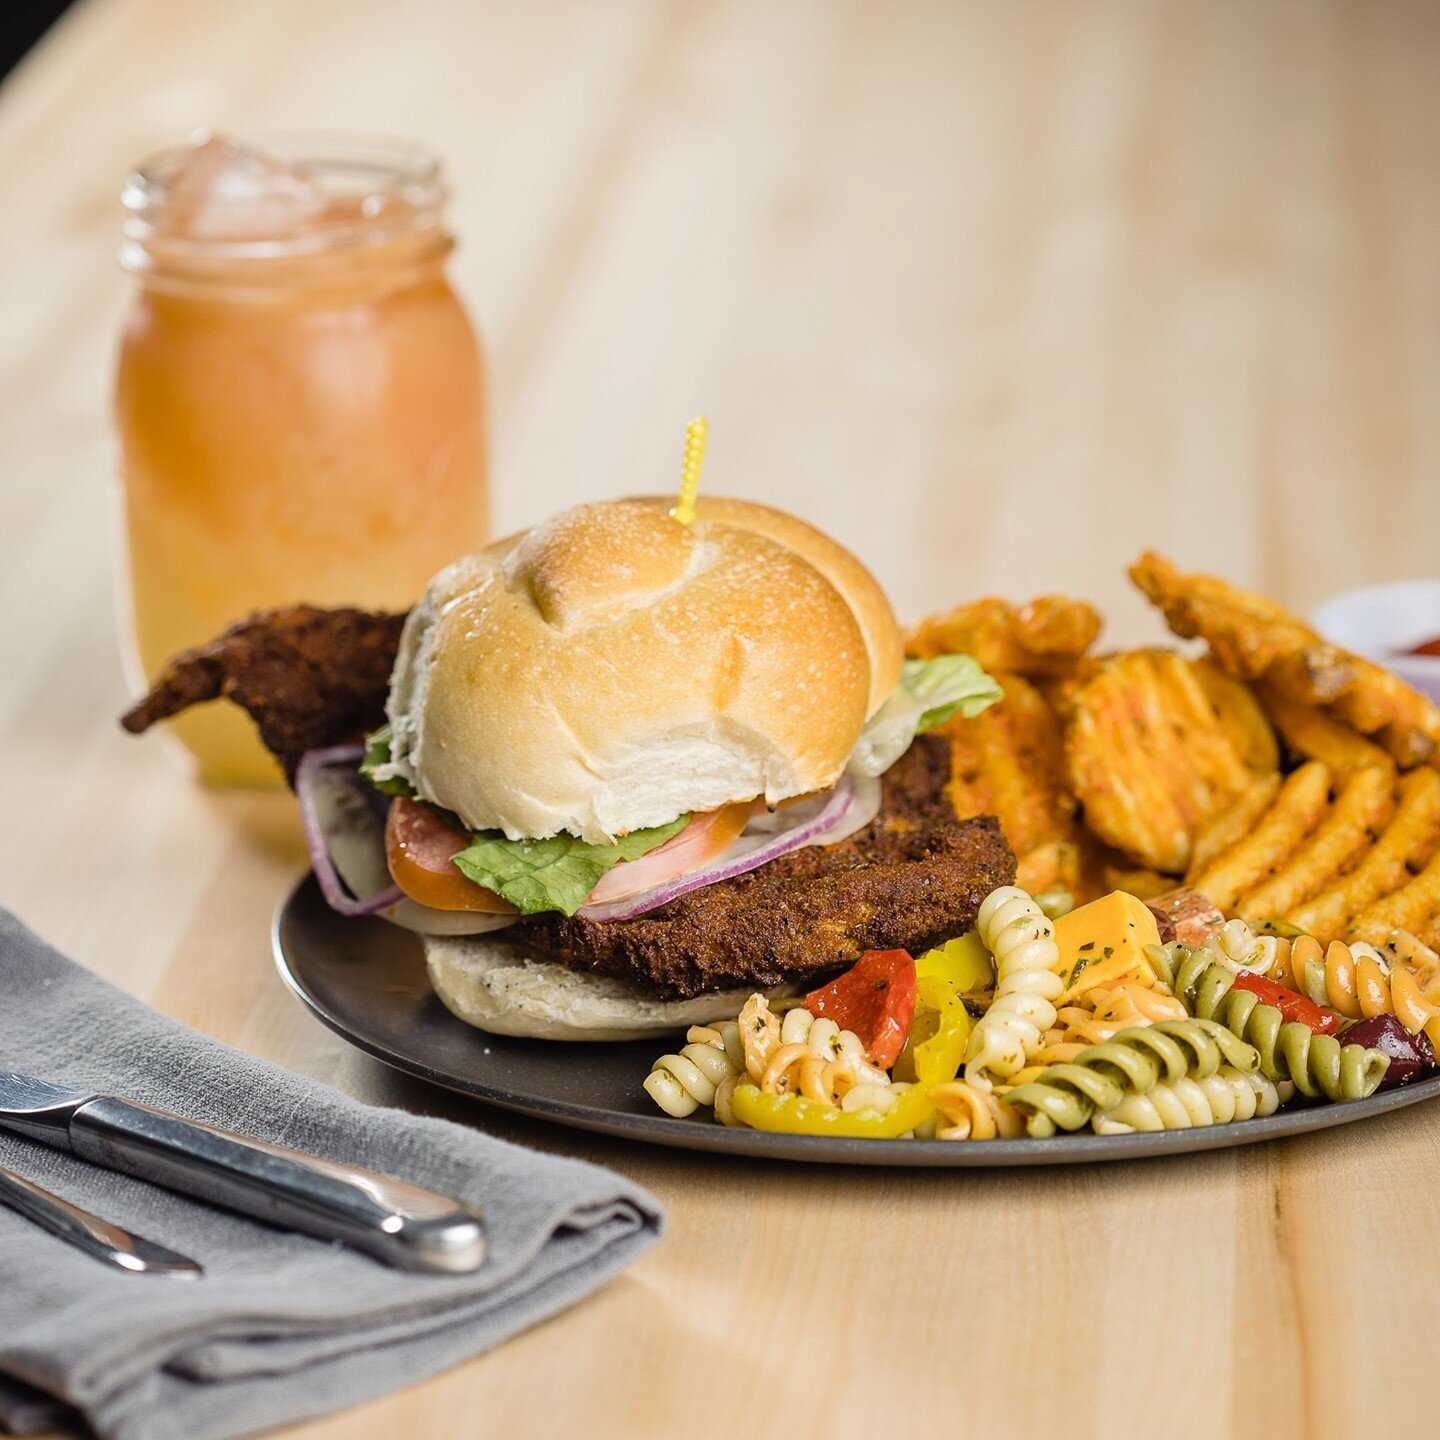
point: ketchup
(1430, 647)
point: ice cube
(226, 191)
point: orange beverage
(299, 398)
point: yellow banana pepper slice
(797, 1115)
(964, 962)
(938, 1059)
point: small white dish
(1383, 622)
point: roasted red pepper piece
(875, 998)
(1290, 1003)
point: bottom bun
(495, 986)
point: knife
(402, 1224)
(96, 1237)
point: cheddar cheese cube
(1103, 940)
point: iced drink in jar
(299, 398)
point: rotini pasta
(963, 1112)
(1410, 950)
(681, 1083)
(791, 1054)
(1358, 981)
(800, 1054)
(1163, 1037)
(1236, 945)
(1316, 1064)
(1064, 1097)
(1021, 938)
(1216, 1099)
(1102, 1014)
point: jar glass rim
(402, 178)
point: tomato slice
(419, 847)
(875, 998)
(705, 838)
(1290, 1003)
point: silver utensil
(110, 1243)
(399, 1223)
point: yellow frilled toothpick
(695, 432)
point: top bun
(612, 669)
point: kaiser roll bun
(495, 986)
(612, 669)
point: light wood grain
(1001, 293)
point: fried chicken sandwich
(626, 767)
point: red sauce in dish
(1430, 647)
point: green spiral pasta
(1065, 1097)
(1318, 1065)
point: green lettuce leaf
(557, 873)
(533, 875)
(930, 692)
(377, 760)
(948, 686)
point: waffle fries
(1009, 762)
(1281, 776)
(1152, 757)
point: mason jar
(299, 397)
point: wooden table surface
(999, 292)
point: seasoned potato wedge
(1363, 806)
(1233, 824)
(1414, 907)
(1242, 715)
(1406, 843)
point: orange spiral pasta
(1102, 1013)
(1359, 982)
(965, 1112)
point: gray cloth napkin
(282, 1327)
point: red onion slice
(749, 852)
(307, 779)
(865, 807)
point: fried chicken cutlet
(307, 677)
(914, 877)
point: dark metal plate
(366, 980)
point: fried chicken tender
(1043, 639)
(1153, 759)
(1009, 761)
(1253, 638)
(307, 677)
(912, 878)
